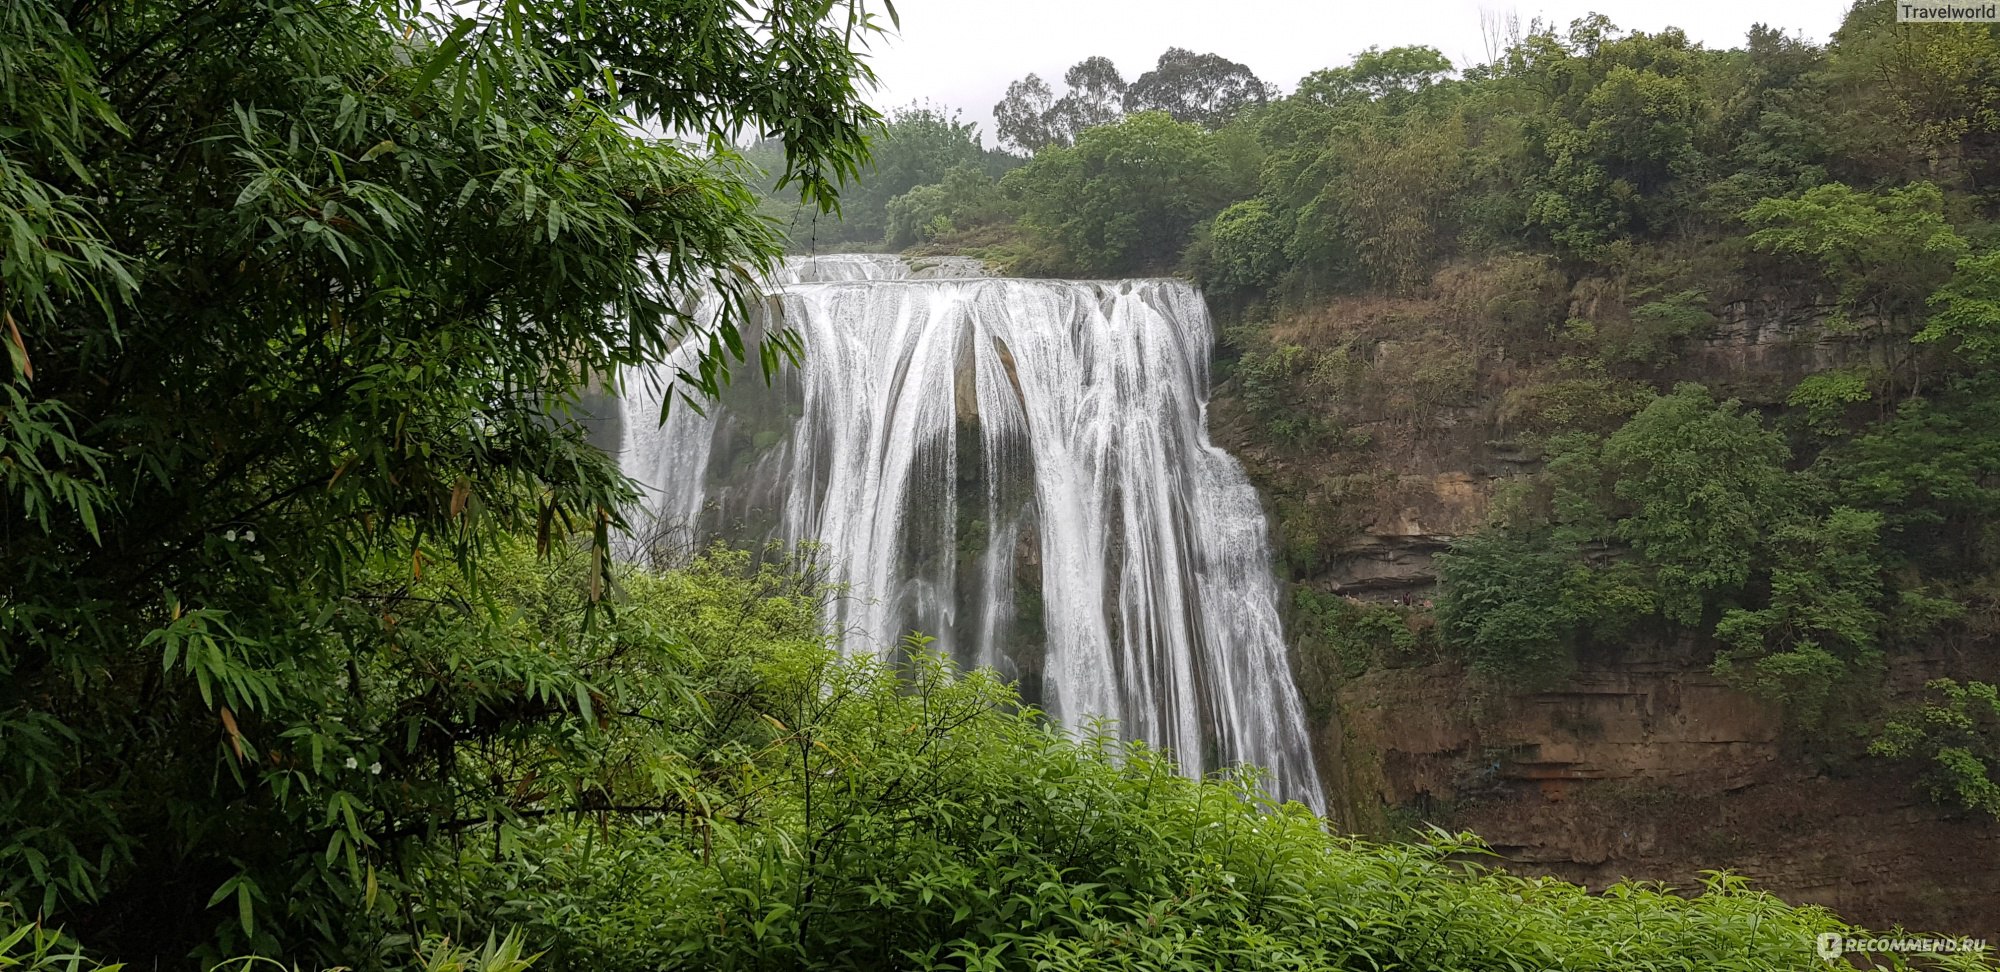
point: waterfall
(1020, 469)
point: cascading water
(1021, 469)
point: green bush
(1127, 197)
(1955, 738)
(1579, 396)
(1506, 604)
(1654, 331)
(1342, 637)
(1820, 626)
(966, 198)
(1828, 396)
(838, 813)
(1243, 249)
(1696, 484)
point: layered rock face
(1642, 765)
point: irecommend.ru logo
(1832, 945)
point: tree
(1932, 470)
(965, 198)
(1031, 118)
(1818, 630)
(1199, 89)
(1096, 97)
(1697, 483)
(1377, 75)
(916, 145)
(1955, 735)
(1883, 254)
(1967, 310)
(1022, 118)
(299, 300)
(1127, 196)
(1913, 103)
(1506, 604)
(1619, 131)
(1244, 249)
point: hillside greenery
(692, 776)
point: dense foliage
(708, 784)
(829, 813)
(297, 300)
(926, 175)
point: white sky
(962, 53)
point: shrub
(1242, 250)
(1650, 335)
(1827, 397)
(1504, 604)
(839, 813)
(1127, 196)
(1956, 739)
(1821, 623)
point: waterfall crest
(1021, 469)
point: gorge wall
(1641, 764)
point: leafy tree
(1127, 196)
(964, 199)
(1819, 627)
(1199, 89)
(1022, 118)
(1912, 103)
(1883, 253)
(1395, 202)
(1031, 117)
(1379, 76)
(1930, 470)
(1827, 396)
(1243, 249)
(298, 300)
(1777, 123)
(1967, 310)
(1956, 738)
(1624, 136)
(916, 145)
(1653, 331)
(1096, 97)
(1696, 484)
(1505, 601)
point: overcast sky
(962, 53)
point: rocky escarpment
(1433, 477)
(1642, 764)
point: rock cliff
(1642, 764)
